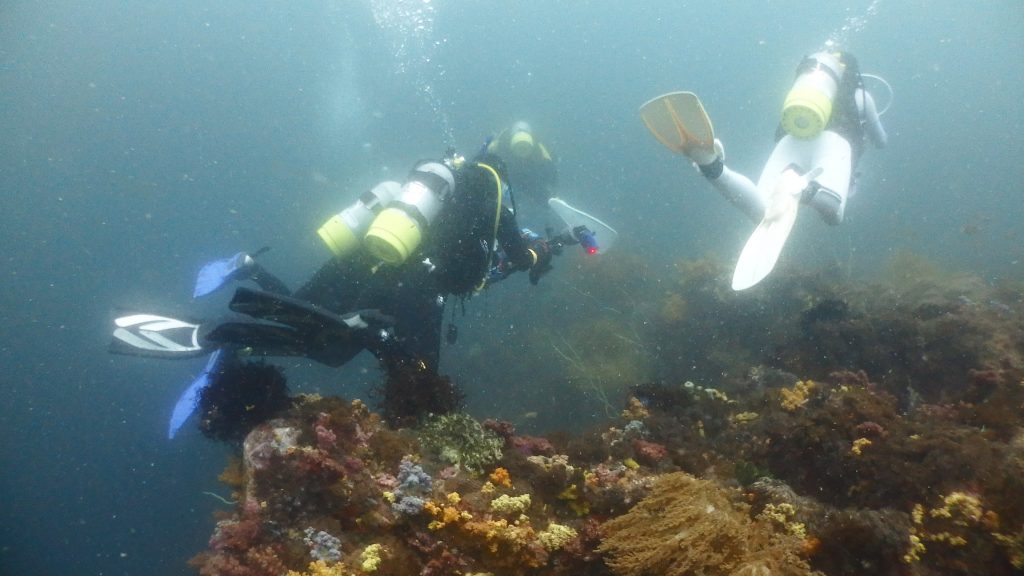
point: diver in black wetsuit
(446, 233)
(473, 239)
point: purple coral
(413, 483)
(408, 505)
(412, 478)
(322, 546)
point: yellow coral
(571, 495)
(778, 513)
(859, 445)
(960, 507)
(451, 514)
(512, 534)
(917, 514)
(506, 504)
(321, 568)
(551, 462)
(798, 395)
(371, 557)
(556, 536)
(916, 549)
(454, 497)
(431, 508)
(309, 398)
(389, 496)
(948, 524)
(951, 539)
(744, 417)
(781, 514)
(635, 409)
(1014, 545)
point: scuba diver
(827, 119)
(400, 252)
(530, 164)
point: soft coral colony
(328, 489)
(823, 472)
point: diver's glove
(542, 251)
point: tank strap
(497, 221)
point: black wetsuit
(453, 260)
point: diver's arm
(515, 246)
(872, 121)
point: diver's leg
(828, 192)
(419, 315)
(340, 282)
(267, 281)
(739, 191)
(413, 387)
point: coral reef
(803, 427)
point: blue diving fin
(213, 275)
(186, 404)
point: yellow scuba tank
(398, 230)
(808, 106)
(521, 140)
(344, 231)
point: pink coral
(326, 439)
(870, 429)
(502, 428)
(649, 453)
(236, 534)
(531, 445)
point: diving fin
(286, 326)
(214, 275)
(156, 336)
(679, 122)
(604, 235)
(188, 400)
(300, 314)
(764, 246)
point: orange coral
(501, 477)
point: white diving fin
(155, 336)
(603, 235)
(762, 250)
